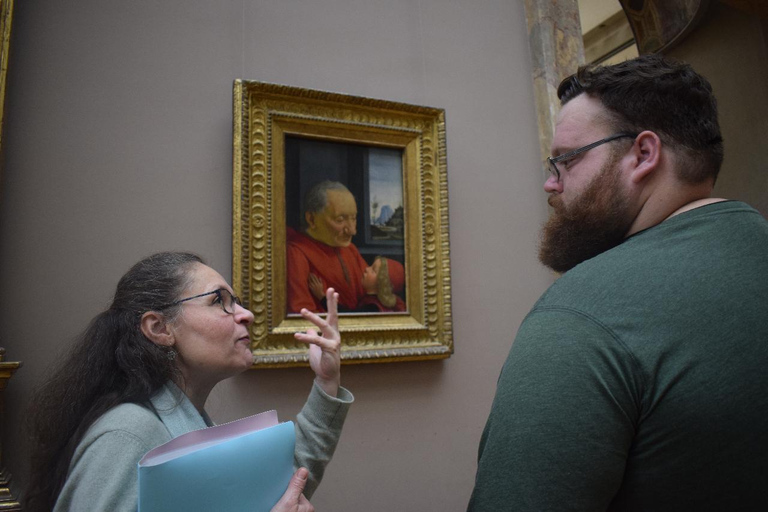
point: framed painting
(332, 190)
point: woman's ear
(646, 155)
(157, 329)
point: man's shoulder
(660, 269)
(293, 236)
(592, 277)
(299, 243)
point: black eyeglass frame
(218, 293)
(553, 161)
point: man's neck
(698, 203)
(667, 198)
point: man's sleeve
(297, 270)
(563, 418)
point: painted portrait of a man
(344, 227)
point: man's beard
(597, 220)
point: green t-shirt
(639, 380)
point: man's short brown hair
(664, 96)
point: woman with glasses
(140, 375)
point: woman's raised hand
(325, 346)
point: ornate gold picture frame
(6, 18)
(269, 119)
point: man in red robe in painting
(325, 249)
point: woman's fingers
(328, 327)
(314, 318)
(324, 348)
(332, 301)
(311, 337)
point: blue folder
(225, 468)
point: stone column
(557, 49)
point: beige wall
(118, 145)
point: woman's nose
(243, 315)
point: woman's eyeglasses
(223, 296)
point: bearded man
(638, 380)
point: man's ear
(646, 156)
(310, 218)
(157, 329)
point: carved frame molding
(263, 115)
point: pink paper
(198, 439)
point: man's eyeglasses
(553, 162)
(223, 297)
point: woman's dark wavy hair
(667, 97)
(111, 363)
